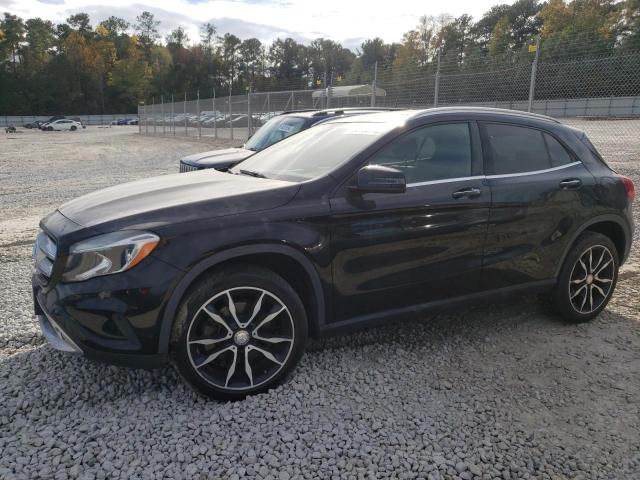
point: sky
(346, 21)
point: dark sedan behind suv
(360, 219)
(277, 128)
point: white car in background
(63, 124)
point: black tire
(73, 128)
(220, 370)
(49, 129)
(581, 292)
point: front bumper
(114, 318)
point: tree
(178, 38)
(251, 58)
(207, 36)
(115, 26)
(229, 52)
(13, 30)
(147, 27)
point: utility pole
(534, 71)
(199, 116)
(436, 91)
(215, 114)
(374, 84)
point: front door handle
(570, 183)
(468, 192)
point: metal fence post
(215, 116)
(436, 90)
(230, 113)
(153, 109)
(173, 117)
(268, 105)
(374, 84)
(199, 115)
(534, 71)
(186, 130)
(146, 119)
(249, 123)
(140, 108)
(164, 126)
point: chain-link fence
(600, 95)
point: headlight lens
(106, 254)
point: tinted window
(314, 152)
(516, 149)
(430, 153)
(559, 156)
(275, 130)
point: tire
(227, 357)
(587, 279)
(49, 129)
(73, 128)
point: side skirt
(414, 311)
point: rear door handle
(571, 183)
(468, 192)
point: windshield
(314, 152)
(273, 131)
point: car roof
(331, 112)
(473, 112)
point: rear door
(393, 251)
(539, 189)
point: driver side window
(435, 152)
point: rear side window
(558, 154)
(515, 149)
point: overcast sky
(346, 21)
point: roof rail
(338, 110)
(519, 113)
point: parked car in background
(77, 119)
(274, 130)
(34, 124)
(10, 129)
(354, 221)
(63, 124)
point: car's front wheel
(588, 278)
(73, 128)
(239, 332)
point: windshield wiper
(253, 149)
(251, 173)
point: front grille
(44, 254)
(185, 167)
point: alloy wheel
(240, 338)
(591, 279)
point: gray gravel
(496, 391)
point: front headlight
(106, 254)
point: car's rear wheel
(588, 278)
(239, 332)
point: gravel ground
(496, 391)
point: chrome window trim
(444, 180)
(534, 172)
(505, 175)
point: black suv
(359, 219)
(277, 128)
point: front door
(395, 251)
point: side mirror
(379, 179)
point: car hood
(168, 199)
(218, 159)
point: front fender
(173, 304)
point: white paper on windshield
(283, 127)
